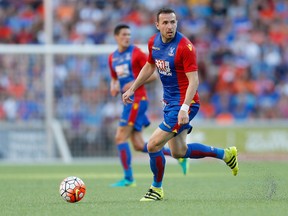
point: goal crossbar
(61, 49)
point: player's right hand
(183, 117)
(114, 88)
(114, 92)
(126, 97)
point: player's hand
(126, 97)
(183, 117)
(114, 92)
(114, 88)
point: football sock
(125, 158)
(165, 150)
(157, 165)
(145, 149)
(197, 150)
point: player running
(125, 64)
(174, 57)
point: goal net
(55, 102)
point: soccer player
(125, 64)
(174, 57)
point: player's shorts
(170, 123)
(134, 114)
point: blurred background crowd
(241, 45)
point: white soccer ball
(72, 189)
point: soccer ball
(72, 189)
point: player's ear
(157, 26)
(116, 37)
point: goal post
(61, 141)
(52, 127)
(46, 138)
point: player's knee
(177, 155)
(153, 146)
(119, 139)
(138, 147)
(138, 144)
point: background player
(125, 64)
(174, 56)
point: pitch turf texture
(209, 189)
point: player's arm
(144, 75)
(153, 77)
(193, 79)
(141, 59)
(114, 87)
(114, 83)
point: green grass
(209, 189)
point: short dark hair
(118, 28)
(164, 11)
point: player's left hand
(183, 117)
(126, 96)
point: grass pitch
(261, 188)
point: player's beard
(169, 36)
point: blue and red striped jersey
(173, 60)
(125, 66)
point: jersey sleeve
(112, 71)
(150, 45)
(189, 57)
(139, 59)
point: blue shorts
(170, 123)
(135, 115)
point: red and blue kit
(173, 60)
(125, 67)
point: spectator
(241, 44)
